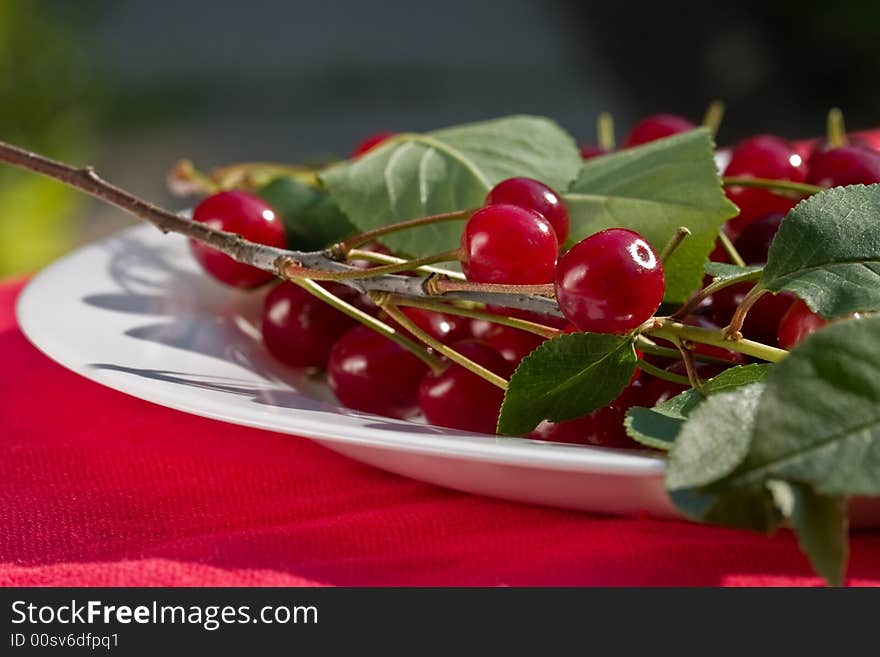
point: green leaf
(721, 271)
(654, 189)
(746, 508)
(566, 378)
(819, 419)
(820, 523)
(312, 220)
(658, 427)
(415, 175)
(715, 438)
(827, 251)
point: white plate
(134, 313)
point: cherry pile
(609, 282)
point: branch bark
(280, 262)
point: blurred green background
(132, 86)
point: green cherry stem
(668, 329)
(398, 316)
(730, 249)
(733, 330)
(772, 185)
(835, 129)
(713, 116)
(605, 132)
(384, 259)
(368, 320)
(659, 373)
(340, 249)
(674, 242)
(297, 271)
(648, 346)
(714, 287)
(473, 313)
(687, 357)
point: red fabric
(98, 488)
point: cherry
(370, 373)
(298, 328)
(609, 282)
(248, 216)
(797, 323)
(508, 244)
(762, 156)
(753, 244)
(533, 195)
(847, 165)
(445, 328)
(459, 399)
(371, 142)
(513, 344)
(656, 127)
(763, 319)
(588, 152)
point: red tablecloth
(99, 488)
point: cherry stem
(295, 270)
(442, 286)
(688, 358)
(648, 346)
(382, 258)
(674, 242)
(835, 131)
(730, 249)
(473, 313)
(772, 185)
(659, 373)
(733, 331)
(368, 320)
(398, 316)
(605, 131)
(714, 287)
(713, 116)
(340, 249)
(668, 329)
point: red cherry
(513, 344)
(656, 127)
(763, 319)
(609, 282)
(248, 216)
(847, 165)
(533, 195)
(445, 328)
(508, 244)
(300, 329)
(371, 142)
(459, 399)
(588, 152)
(797, 323)
(370, 373)
(762, 156)
(753, 244)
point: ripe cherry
(508, 244)
(763, 318)
(753, 244)
(588, 152)
(762, 156)
(370, 373)
(298, 328)
(609, 282)
(513, 344)
(847, 165)
(247, 215)
(797, 323)
(534, 195)
(656, 127)
(371, 142)
(459, 399)
(443, 327)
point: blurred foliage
(48, 100)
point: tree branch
(281, 262)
